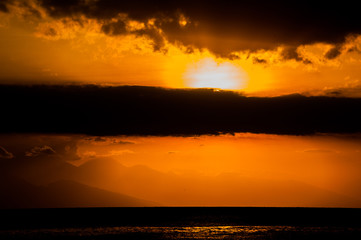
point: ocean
(181, 223)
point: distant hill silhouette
(144, 182)
(17, 193)
(106, 182)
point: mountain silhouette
(105, 182)
(230, 189)
(18, 193)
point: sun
(207, 73)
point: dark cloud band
(155, 111)
(224, 26)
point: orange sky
(241, 170)
(325, 162)
(43, 49)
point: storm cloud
(131, 110)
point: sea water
(201, 232)
(180, 223)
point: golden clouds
(80, 43)
(58, 29)
(183, 20)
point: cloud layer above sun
(213, 24)
(222, 27)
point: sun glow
(209, 74)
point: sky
(179, 103)
(262, 49)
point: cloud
(259, 60)
(114, 28)
(228, 29)
(134, 110)
(125, 26)
(60, 29)
(319, 150)
(40, 150)
(289, 53)
(112, 153)
(30, 145)
(26, 9)
(120, 152)
(89, 154)
(221, 27)
(351, 89)
(97, 139)
(107, 140)
(333, 52)
(3, 7)
(5, 154)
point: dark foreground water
(181, 223)
(205, 232)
